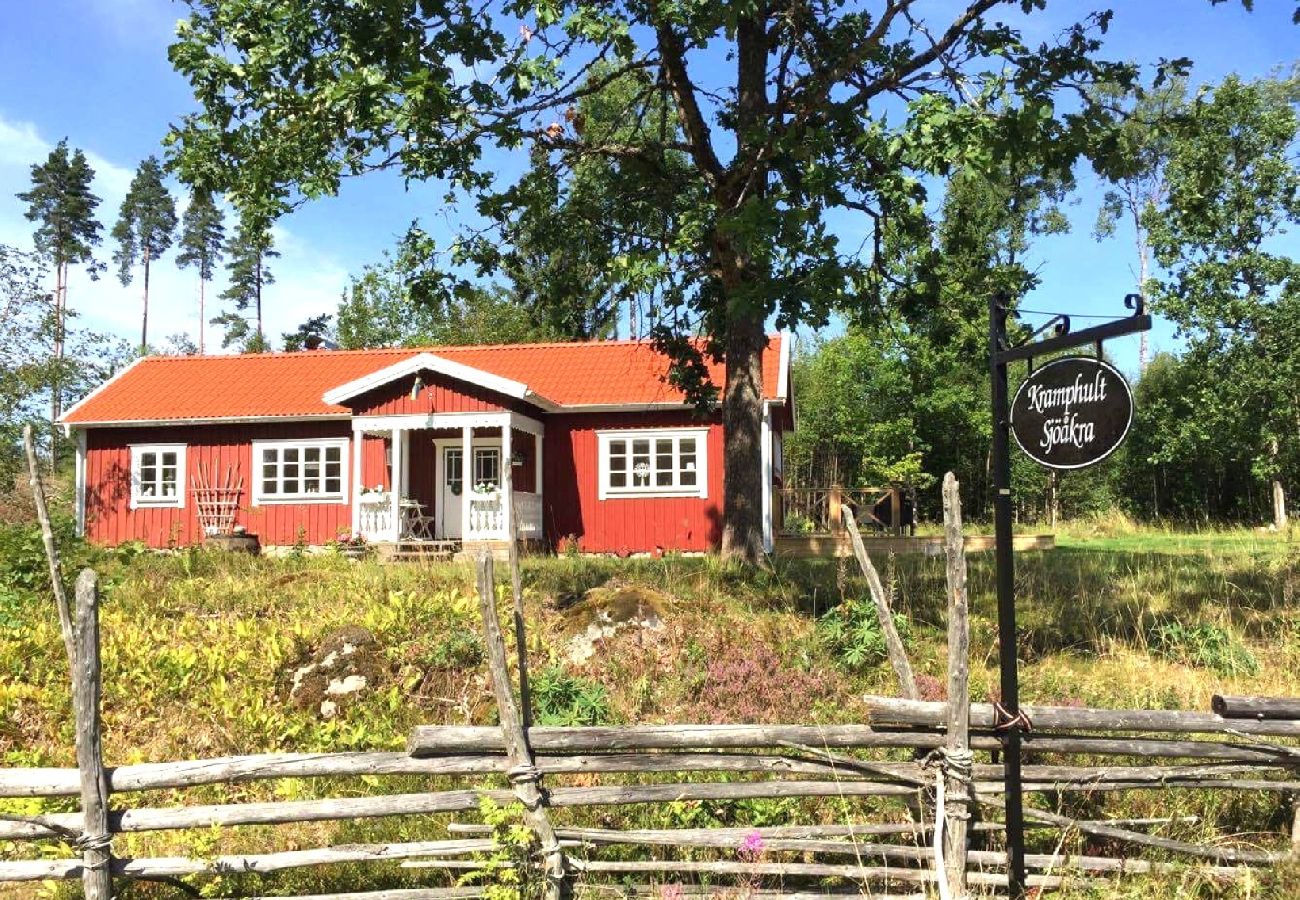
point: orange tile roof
(292, 385)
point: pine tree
(61, 202)
(203, 235)
(145, 230)
(248, 249)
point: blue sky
(96, 71)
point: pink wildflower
(752, 847)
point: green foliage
(1233, 189)
(403, 301)
(203, 235)
(24, 569)
(145, 229)
(851, 633)
(248, 250)
(857, 423)
(61, 203)
(30, 370)
(564, 699)
(459, 648)
(1203, 644)
(504, 873)
(308, 334)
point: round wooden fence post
(523, 773)
(957, 753)
(97, 860)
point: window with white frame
(658, 463)
(300, 471)
(487, 467)
(157, 475)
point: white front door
(453, 489)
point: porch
(441, 481)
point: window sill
(304, 499)
(665, 494)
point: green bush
(851, 633)
(1203, 644)
(564, 699)
(458, 649)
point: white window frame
(138, 499)
(699, 489)
(263, 499)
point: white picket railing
(487, 517)
(377, 516)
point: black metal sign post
(1011, 722)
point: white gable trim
(434, 363)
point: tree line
(1207, 185)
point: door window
(487, 468)
(455, 470)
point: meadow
(201, 651)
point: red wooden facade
(571, 507)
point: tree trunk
(144, 318)
(742, 412)
(202, 322)
(259, 304)
(1143, 272)
(1053, 499)
(1279, 495)
(56, 383)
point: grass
(200, 651)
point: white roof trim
(434, 363)
(63, 419)
(783, 367)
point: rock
(605, 611)
(344, 666)
(349, 685)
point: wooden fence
(817, 510)
(950, 780)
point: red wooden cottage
(548, 442)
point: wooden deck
(804, 546)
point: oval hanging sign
(1072, 412)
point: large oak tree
(785, 118)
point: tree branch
(672, 53)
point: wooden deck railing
(817, 510)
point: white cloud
(307, 281)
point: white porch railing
(487, 515)
(487, 518)
(377, 516)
